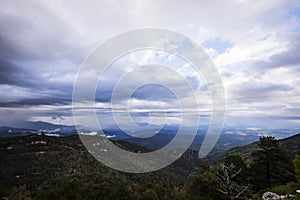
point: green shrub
(289, 188)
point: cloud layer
(253, 44)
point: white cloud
(251, 51)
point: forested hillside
(44, 167)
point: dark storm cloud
(12, 73)
(103, 95)
(153, 92)
(7, 71)
(287, 117)
(37, 49)
(42, 94)
(37, 32)
(34, 102)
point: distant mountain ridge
(229, 138)
(291, 145)
(28, 127)
(6, 131)
(40, 125)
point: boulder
(270, 196)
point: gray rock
(270, 196)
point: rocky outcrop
(271, 196)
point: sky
(254, 45)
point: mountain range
(229, 138)
(41, 161)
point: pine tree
(297, 167)
(149, 194)
(271, 166)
